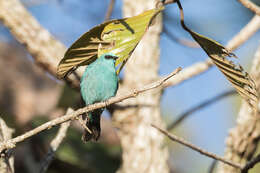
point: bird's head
(109, 56)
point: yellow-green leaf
(119, 37)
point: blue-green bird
(98, 83)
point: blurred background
(29, 96)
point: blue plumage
(98, 83)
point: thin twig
(198, 107)
(12, 142)
(251, 164)
(55, 143)
(83, 124)
(251, 6)
(195, 148)
(110, 10)
(182, 41)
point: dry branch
(251, 6)
(243, 139)
(47, 51)
(43, 47)
(12, 142)
(195, 148)
(251, 164)
(6, 161)
(55, 143)
(245, 33)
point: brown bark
(243, 139)
(6, 162)
(44, 48)
(143, 149)
(22, 84)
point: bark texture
(43, 47)
(6, 162)
(243, 139)
(143, 149)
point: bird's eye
(109, 57)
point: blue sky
(220, 20)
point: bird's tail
(93, 123)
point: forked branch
(12, 142)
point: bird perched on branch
(98, 83)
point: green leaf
(116, 36)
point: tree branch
(241, 148)
(251, 164)
(47, 51)
(251, 6)
(6, 161)
(43, 47)
(55, 143)
(195, 148)
(12, 142)
(245, 33)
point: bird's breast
(99, 84)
